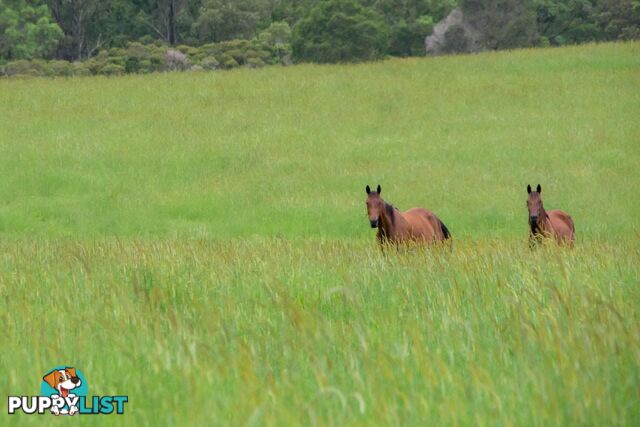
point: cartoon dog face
(63, 380)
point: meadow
(199, 242)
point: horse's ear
(379, 190)
(529, 189)
(368, 189)
(539, 189)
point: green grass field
(199, 242)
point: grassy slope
(125, 204)
(288, 151)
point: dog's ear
(72, 372)
(50, 378)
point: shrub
(25, 67)
(61, 68)
(93, 66)
(112, 69)
(210, 63)
(228, 61)
(140, 58)
(136, 55)
(145, 66)
(239, 55)
(117, 52)
(157, 60)
(138, 51)
(210, 49)
(81, 69)
(255, 63)
(182, 48)
(117, 60)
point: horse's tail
(445, 230)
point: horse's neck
(545, 223)
(389, 219)
(548, 224)
(392, 221)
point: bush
(157, 59)
(210, 63)
(92, 65)
(239, 55)
(112, 69)
(81, 69)
(137, 58)
(182, 49)
(228, 61)
(24, 67)
(117, 60)
(117, 52)
(255, 63)
(140, 58)
(61, 68)
(145, 66)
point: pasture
(199, 241)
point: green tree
(278, 38)
(579, 21)
(502, 24)
(162, 17)
(221, 20)
(618, 19)
(410, 21)
(340, 31)
(566, 21)
(26, 30)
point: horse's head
(375, 205)
(534, 204)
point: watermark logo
(64, 391)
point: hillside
(288, 151)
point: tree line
(304, 30)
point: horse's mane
(389, 209)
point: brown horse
(415, 225)
(542, 223)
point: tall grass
(199, 242)
(304, 332)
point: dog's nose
(374, 223)
(75, 380)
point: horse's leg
(381, 241)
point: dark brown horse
(415, 225)
(556, 224)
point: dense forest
(147, 35)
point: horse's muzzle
(374, 223)
(533, 221)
